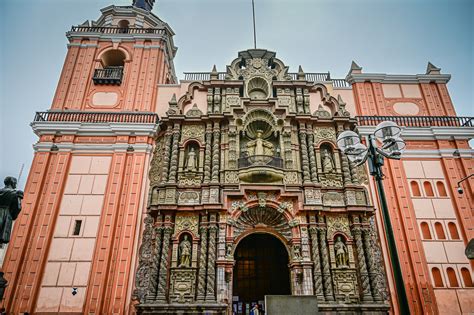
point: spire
(355, 68)
(214, 73)
(301, 74)
(144, 4)
(432, 69)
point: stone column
(164, 265)
(155, 265)
(209, 100)
(364, 275)
(355, 178)
(327, 279)
(304, 154)
(201, 289)
(217, 100)
(312, 157)
(208, 154)
(345, 170)
(211, 264)
(373, 267)
(318, 281)
(166, 157)
(215, 152)
(174, 154)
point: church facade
(152, 196)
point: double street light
(385, 142)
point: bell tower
(73, 246)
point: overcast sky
(321, 35)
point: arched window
(123, 24)
(440, 231)
(425, 231)
(441, 189)
(466, 277)
(113, 62)
(453, 280)
(113, 58)
(415, 189)
(453, 231)
(437, 279)
(428, 189)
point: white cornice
(94, 129)
(397, 78)
(443, 153)
(428, 133)
(93, 148)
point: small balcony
(260, 169)
(108, 76)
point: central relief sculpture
(260, 146)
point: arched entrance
(261, 268)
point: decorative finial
(432, 69)
(355, 68)
(301, 74)
(144, 4)
(214, 73)
(173, 101)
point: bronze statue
(10, 207)
(185, 252)
(342, 254)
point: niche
(258, 89)
(415, 189)
(453, 280)
(437, 279)
(341, 251)
(441, 189)
(439, 231)
(113, 58)
(466, 277)
(453, 231)
(428, 189)
(327, 159)
(184, 251)
(425, 231)
(191, 157)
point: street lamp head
(392, 148)
(347, 140)
(460, 190)
(387, 130)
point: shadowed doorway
(261, 268)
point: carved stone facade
(253, 159)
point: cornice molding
(93, 129)
(93, 148)
(428, 133)
(397, 78)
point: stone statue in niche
(10, 207)
(185, 252)
(342, 253)
(259, 146)
(191, 161)
(328, 163)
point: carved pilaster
(299, 100)
(327, 280)
(211, 264)
(208, 154)
(217, 100)
(288, 149)
(318, 281)
(145, 283)
(312, 157)
(174, 154)
(215, 152)
(209, 100)
(166, 157)
(201, 290)
(155, 263)
(373, 269)
(355, 178)
(364, 275)
(304, 155)
(164, 264)
(306, 101)
(345, 170)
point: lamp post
(389, 145)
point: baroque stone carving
(186, 223)
(324, 133)
(334, 199)
(337, 224)
(188, 198)
(192, 132)
(341, 253)
(184, 252)
(182, 285)
(194, 112)
(263, 217)
(312, 196)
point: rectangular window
(77, 227)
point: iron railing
(108, 75)
(310, 76)
(260, 160)
(418, 121)
(96, 117)
(118, 30)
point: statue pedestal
(182, 284)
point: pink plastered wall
(441, 236)
(70, 256)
